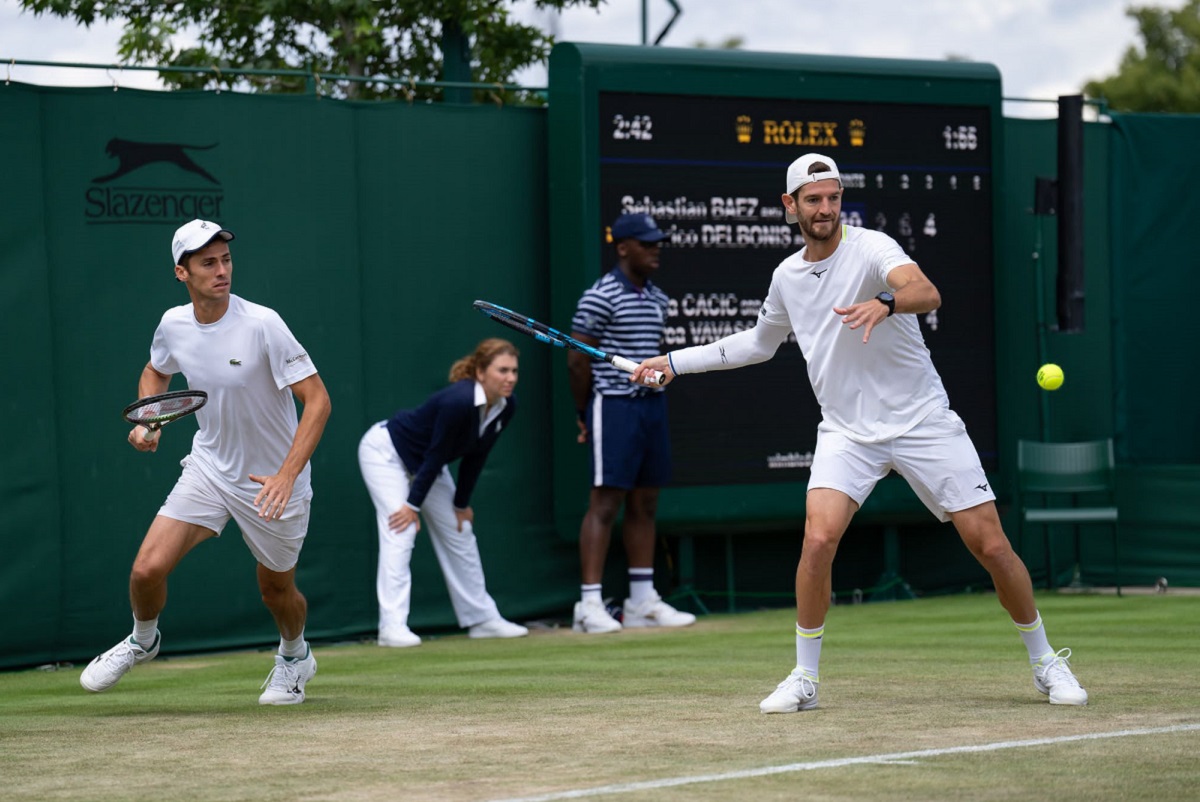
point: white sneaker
(399, 638)
(285, 684)
(593, 618)
(654, 612)
(797, 692)
(497, 628)
(104, 671)
(1052, 676)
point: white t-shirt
(245, 362)
(874, 391)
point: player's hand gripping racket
(542, 332)
(156, 411)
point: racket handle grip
(150, 435)
(654, 379)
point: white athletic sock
(143, 632)
(591, 593)
(296, 648)
(808, 650)
(641, 585)
(1035, 639)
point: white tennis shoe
(497, 628)
(592, 617)
(399, 638)
(654, 612)
(797, 692)
(1052, 676)
(105, 670)
(285, 684)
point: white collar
(486, 416)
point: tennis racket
(156, 411)
(543, 333)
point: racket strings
(164, 410)
(154, 413)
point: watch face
(886, 297)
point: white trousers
(457, 552)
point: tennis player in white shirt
(249, 459)
(851, 296)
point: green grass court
(640, 715)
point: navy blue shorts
(631, 445)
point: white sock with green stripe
(808, 650)
(1036, 642)
(294, 649)
(143, 632)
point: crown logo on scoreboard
(858, 133)
(745, 128)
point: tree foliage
(1162, 75)
(368, 40)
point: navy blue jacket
(443, 429)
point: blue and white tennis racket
(543, 333)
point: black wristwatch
(888, 300)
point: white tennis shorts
(198, 499)
(936, 457)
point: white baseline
(894, 757)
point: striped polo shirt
(627, 321)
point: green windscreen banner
(1154, 207)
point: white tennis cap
(193, 236)
(800, 173)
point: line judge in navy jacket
(404, 462)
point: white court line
(894, 757)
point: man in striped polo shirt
(626, 425)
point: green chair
(1080, 472)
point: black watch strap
(888, 300)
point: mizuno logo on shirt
(982, 487)
(819, 273)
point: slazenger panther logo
(134, 155)
(175, 188)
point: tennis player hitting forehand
(851, 297)
(249, 459)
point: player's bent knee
(146, 574)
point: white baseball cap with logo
(191, 237)
(800, 173)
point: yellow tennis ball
(1050, 376)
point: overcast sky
(1043, 48)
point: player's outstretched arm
(746, 347)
